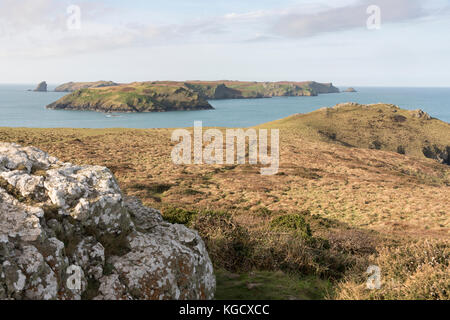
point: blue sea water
(22, 108)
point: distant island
(41, 87)
(135, 97)
(350, 90)
(73, 86)
(159, 96)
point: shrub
(264, 212)
(415, 271)
(292, 222)
(179, 216)
(229, 245)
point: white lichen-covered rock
(66, 232)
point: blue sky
(261, 40)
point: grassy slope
(364, 207)
(377, 126)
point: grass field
(361, 205)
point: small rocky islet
(41, 87)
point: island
(251, 90)
(135, 97)
(350, 90)
(159, 96)
(41, 87)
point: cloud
(37, 28)
(298, 25)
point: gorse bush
(229, 244)
(292, 222)
(179, 216)
(416, 271)
(287, 245)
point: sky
(341, 41)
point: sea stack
(41, 87)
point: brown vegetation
(330, 212)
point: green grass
(292, 222)
(265, 285)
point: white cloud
(37, 28)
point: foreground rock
(41, 87)
(67, 233)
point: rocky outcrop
(67, 232)
(41, 87)
(421, 114)
(322, 88)
(440, 154)
(223, 92)
(350, 90)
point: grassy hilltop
(376, 126)
(169, 95)
(310, 231)
(73, 86)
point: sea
(22, 108)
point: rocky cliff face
(41, 87)
(321, 88)
(66, 232)
(250, 90)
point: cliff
(250, 90)
(135, 97)
(67, 232)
